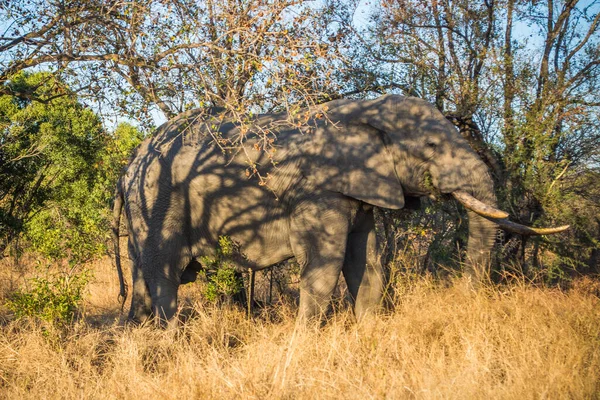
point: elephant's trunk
(482, 231)
(482, 234)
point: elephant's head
(402, 146)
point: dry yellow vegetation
(518, 342)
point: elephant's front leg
(318, 238)
(362, 266)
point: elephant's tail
(116, 223)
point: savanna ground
(440, 341)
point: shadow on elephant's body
(201, 178)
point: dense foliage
(519, 79)
(223, 280)
(58, 169)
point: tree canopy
(518, 78)
(58, 168)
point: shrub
(58, 170)
(223, 278)
(55, 300)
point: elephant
(187, 185)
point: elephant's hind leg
(164, 264)
(362, 267)
(164, 298)
(141, 301)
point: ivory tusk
(500, 217)
(527, 230)
(477, 206)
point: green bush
(223, 279)
(58, 170)
(222, 283)
(55, 300)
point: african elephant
(184, 188)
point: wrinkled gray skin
(181, 192)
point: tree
(240, 57)
(58, 168)
(530, 115)
(550, 113)
(244, 56)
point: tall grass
(440, 341)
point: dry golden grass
(440, 342)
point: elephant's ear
(371, 176)
(354, 160)
(356, 150)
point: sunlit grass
(440, 341)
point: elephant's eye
(432, 145)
